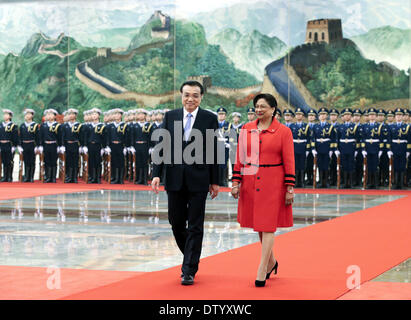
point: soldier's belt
(323, 140)
(141, 142)
(50, 142)
(347, 140)
(116, 142)
(28, 141)
(4, 141)
(72, 141)
(372, 140)
(400, 141)
(300, 140)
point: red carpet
(313, 262)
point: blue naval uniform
(372, 143)
(400, 143)
(95, 139)
(333, 160)
(141, 141)
(9, 138)
(73, 139)
(29, 139)
(224, 128)
(50, 139)
(302, 143)
(310, 158)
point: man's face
(322, 117)
(251, 116)
(71, 116)
(311, 118)
(347, 117)
(380, 118)
(191, 97)
(406, 118)
(141, 117)
(117, 116)
(6, 116)
(236, 119)
(299, 117)
(28, 117)
(372, 117)
(50, 116)
(287, 117)
(390, 119)
(398, 117)
(159, 117)
(94, 116)
(357, 118)
(221, 116)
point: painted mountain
(250, 52)
(388, 44)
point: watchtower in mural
(323, 30)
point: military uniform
(95, 140)
(333, 158)
(325, 143)
(359, 158)
(233, 139)
(224, 128)
(118, 140)
(302, 145)
(372, 144)
(141, 137)
(50, 143)
(349, 142)
(30, 140)
(310, 157)
(400, 143)
(383, 168)
(73, 140)
(9, 140)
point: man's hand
(214, 190)
(155, 184)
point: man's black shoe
(187, 280)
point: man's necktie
(187, 128)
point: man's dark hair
(192, 83)
(267, 97)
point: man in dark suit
(187, 184)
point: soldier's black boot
(139, 176)
(345, 178)
(53, 174)
(74, 176)
(4, 178)
(98, 175)
(115, 176)
(31, 174)
(26, 177)
(69, 173)
(121, 176)
(402, 177)
(47, 174)
(371, 180)
(10, 173)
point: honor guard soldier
(325, 144)
(288, 117)
(359, 158)
(251, 114)
(30, 140)
(50, 143)
(224, 128)
(118, 140)
(73, 141)
(302, 145)
(400, 142)
(95, 140)
(9, 141)
(311, 117)
(334, 114)
(406, 120)
(236, 126)
(383, 155)
(278, 115)
(159, 116)
(390, 117)
(349, 143)
(372, 143)
(141, 137)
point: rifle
(109, 168)
(365, 175)
(390, 174)
(134, 167)
(315, 172)
(62, 170)
(85, 167)
(41, 156)
(21, 167)
(338, 172)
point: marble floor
(129, 230)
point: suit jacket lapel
(196, 124)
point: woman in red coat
(263, 179)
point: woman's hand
(289, 196)
(235, 191)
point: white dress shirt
(185, 118)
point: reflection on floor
(129, 230)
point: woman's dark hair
(192, 83)
(267, 97)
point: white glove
(20, 149)
(337, 153)
(379, 154)
(389, 154)
(125, 151)
(102, 152)
(306, 153)
(408, 154)
(80, 150)
(40, 149)
(314, 152)
(364, 153)
(13, 149)
(355, 154)
(62, 149)
(107, 150)
(132, 150)
(150, 150)
(227, 145)
(85, 150)
(330, 154)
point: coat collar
(275, 124)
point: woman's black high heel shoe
(259, 283)
(273, 269)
